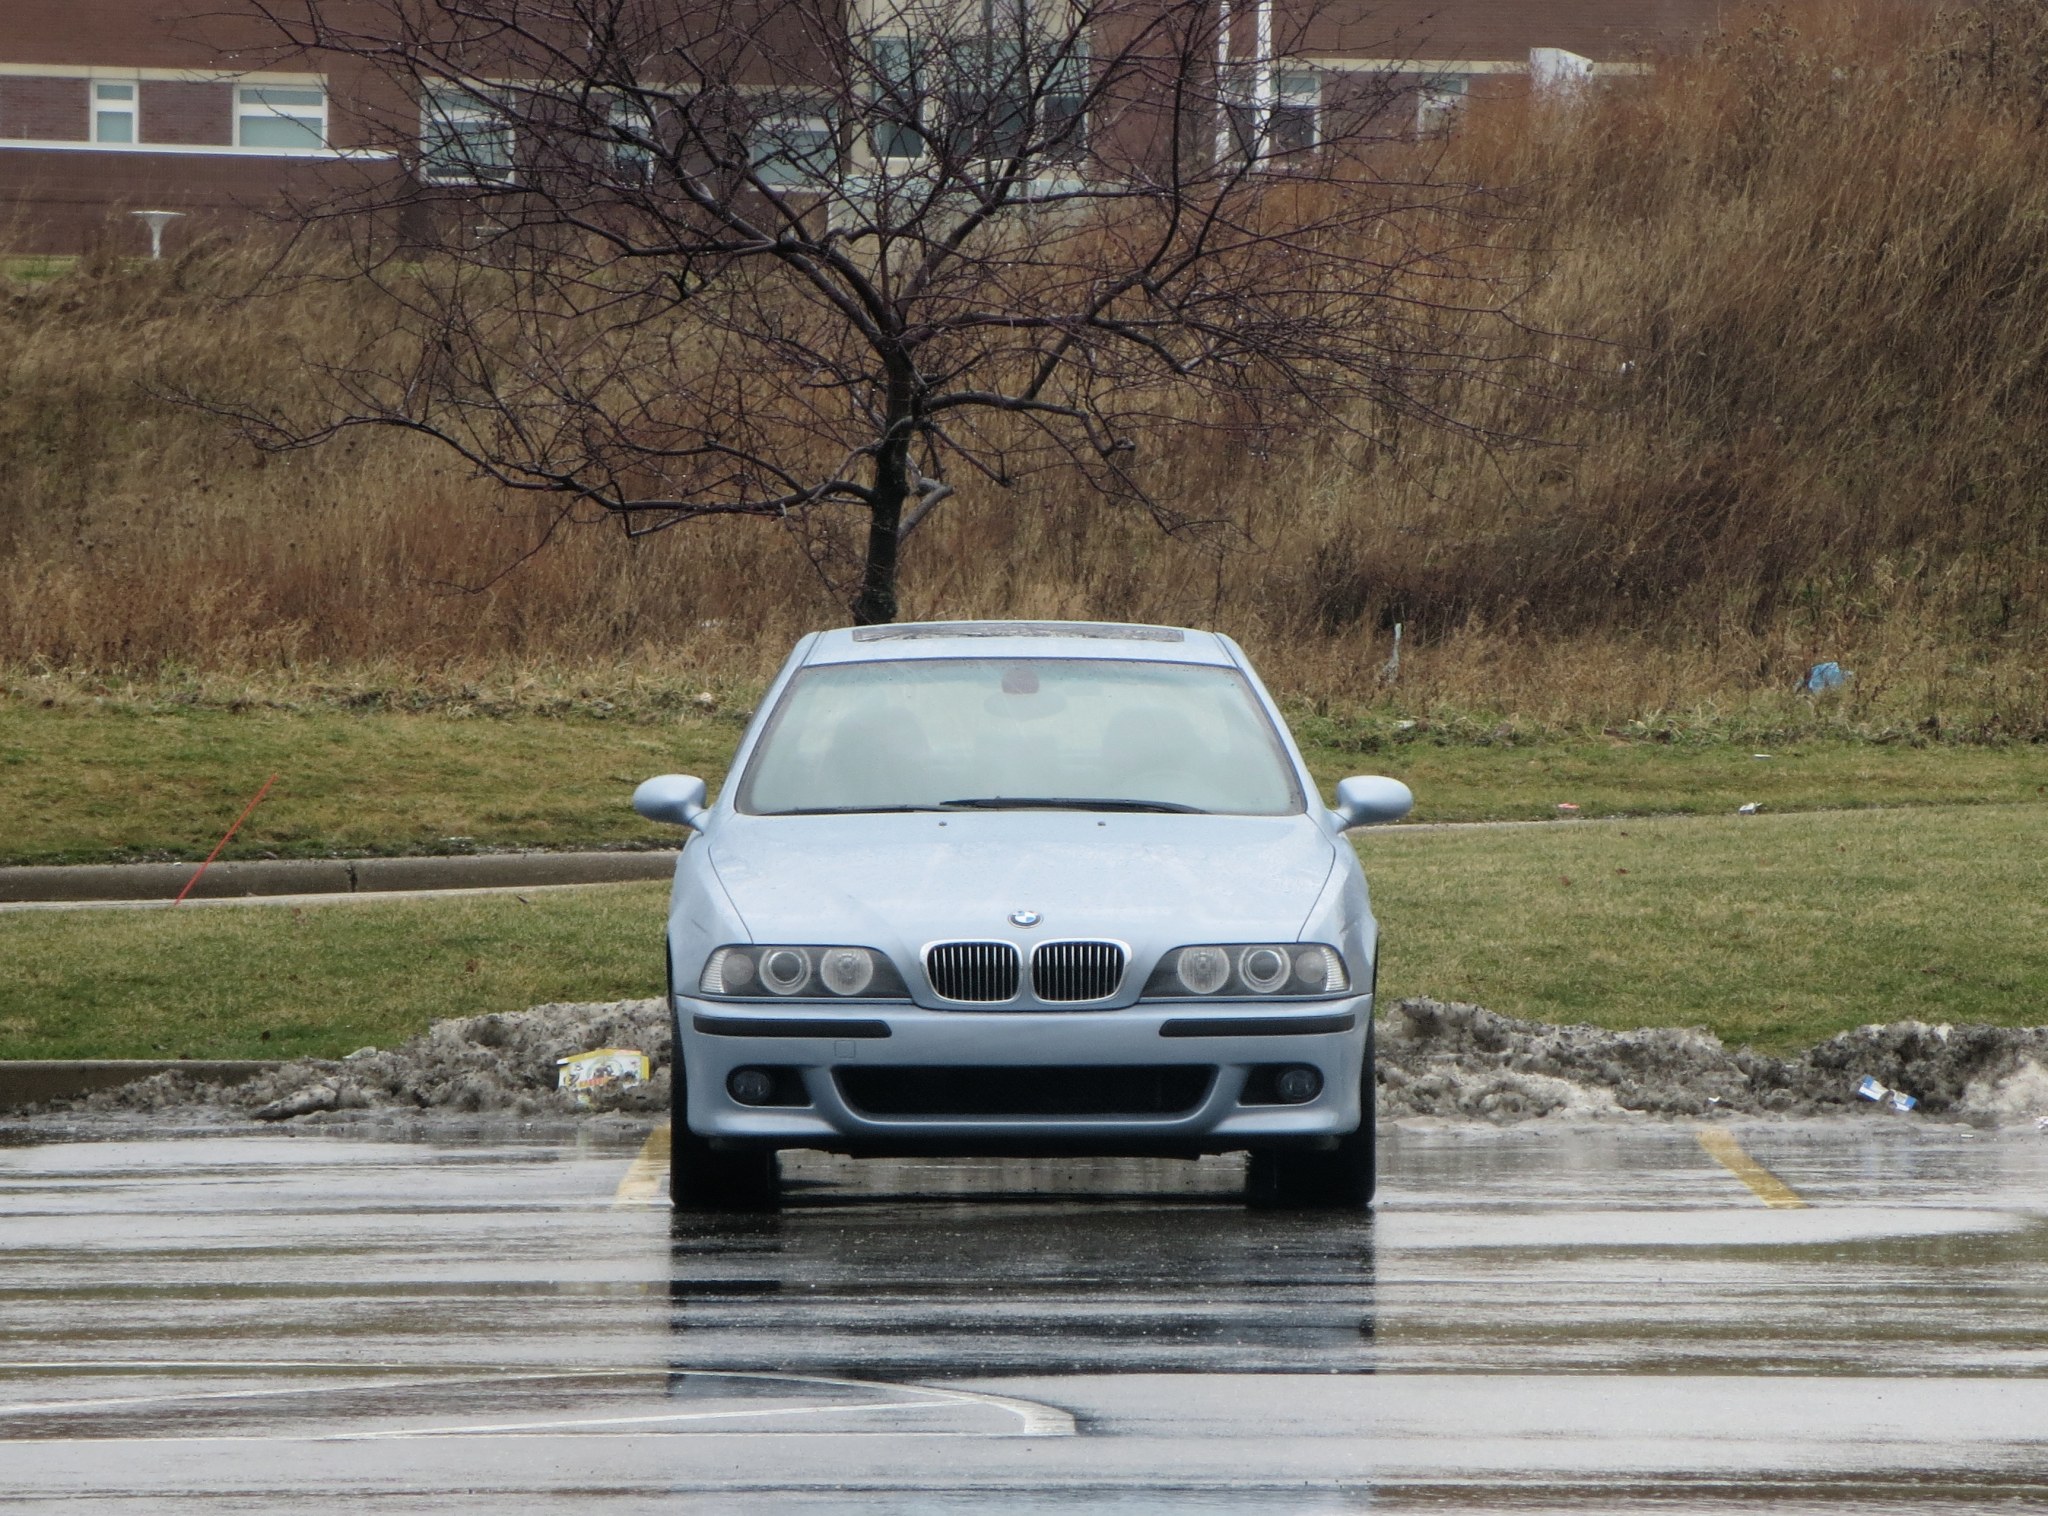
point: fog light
(755, 1086)
(1296, 1086)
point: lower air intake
(1138, 1090)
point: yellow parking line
(642, 1183)
(1726, 1151)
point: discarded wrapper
(1567, 807)
(1898, 1100)
(601, 1068)
(1750, 809)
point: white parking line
(746, 1414)
(1036, 1419)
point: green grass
(35, 268)
(104, 786)
(1602, 777)
(1776, 931)
(276, 981)
(97, 783)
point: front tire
(1328, 1179)
(704, 1178)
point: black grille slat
(1063, 972)
(983, 973)
(1155, 1090)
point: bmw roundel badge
(1025, 918)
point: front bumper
(810, 1045)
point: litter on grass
(1750, 809)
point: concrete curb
(327, 876)
(32, 1081)
(470, 871)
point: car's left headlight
(780, 973)
(1248, 969)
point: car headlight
(1248, 969)
(778, 973)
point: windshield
(1003, 734)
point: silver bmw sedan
(1023, 888)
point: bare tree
(825, 260)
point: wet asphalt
(1532, 1319)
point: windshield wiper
(1069, 803)
(854, 810)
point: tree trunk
(876, 603)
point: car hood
(899, 882)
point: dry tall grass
(1800, 412)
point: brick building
(108, 107)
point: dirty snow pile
(502, 1063)
(1436, 1059)
(1462, 1061)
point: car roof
(1019, 639)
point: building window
(1437, 104)
(792, 151)
(113, 113)
(1287, 121)
(988, 100)
(463, 139)
(899, 99)
(984, 97)
(269, 116)
(633, 140)
(1065, 107)
(1295, 125)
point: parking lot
(1572, 1317)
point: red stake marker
(224, 840)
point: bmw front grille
(980, 972)
(1071, 971)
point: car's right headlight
(1247, 969)
(785, 972)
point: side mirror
(1369, 800)
(675, 798)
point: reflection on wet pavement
(1037, 1283)
(1582, 1318)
